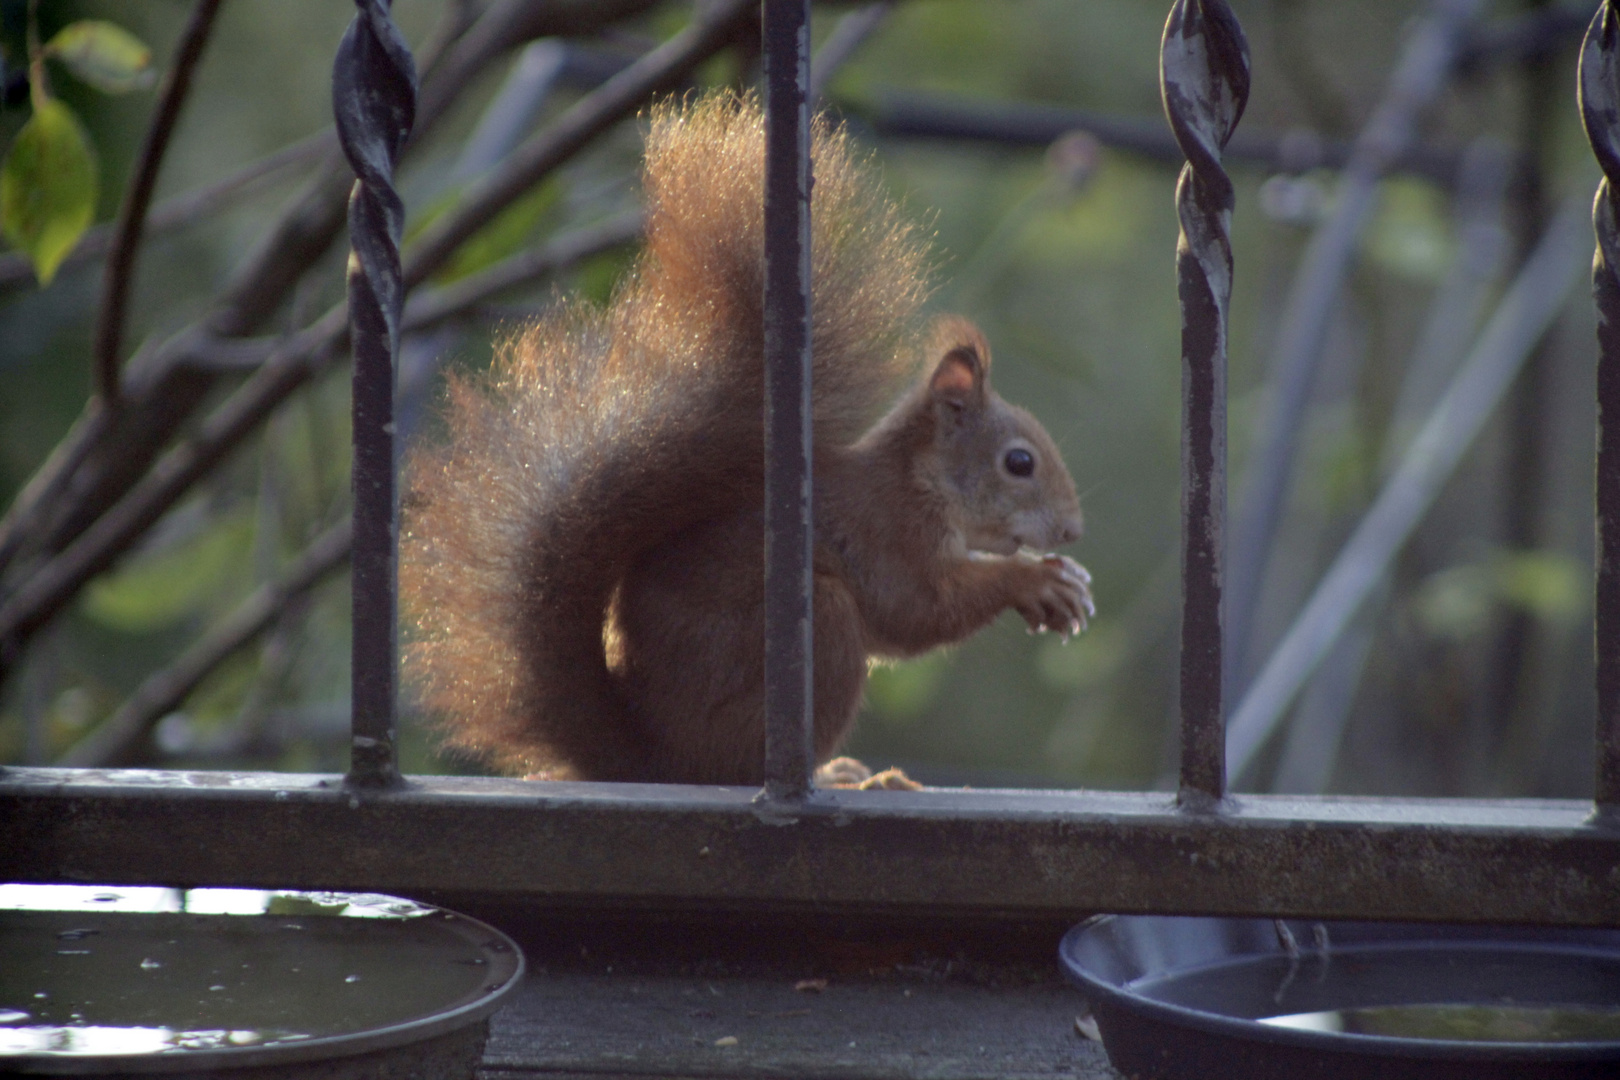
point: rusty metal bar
(1204, 80)
(1600, 107)
(967, 852)
(789, 750)
(374, 103)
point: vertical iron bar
(374, 104)
(789, 710)
(1204, 80)
(1599, 85)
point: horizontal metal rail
(968, 852)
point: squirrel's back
(599, 434)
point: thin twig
(50, 480)
(302, 234)
(37, 84)
(619, 97)
(291, 245)
(848, 34)
(1316, 730)
(504, 26)
(433, 306)
(181, 210)
(959, 118)
(138, 196)
(291, 364)
(49, 588)
(116, 740)
(46, 591)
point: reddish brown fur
(582, 558)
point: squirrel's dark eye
(1019, 462)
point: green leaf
(106, 56)
(48, 188)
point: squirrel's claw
(1063, 601)
(890, 780)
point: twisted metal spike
(374, 103)
(1599, 87)
(1204, 80)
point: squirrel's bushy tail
(599, 434)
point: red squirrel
(582, 557)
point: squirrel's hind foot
(847, 772)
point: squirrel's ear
(958, 381)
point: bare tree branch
(1537, 295)
(44, 593)
(433, 306)
(619, 97)
(44, 489)
(138, 196)
(100, 458)
(181, 210)
(1426, 64)
(97, 538)
(290, 364)
(118, 739)
(848, 35)
(506, 25)
(161, 390)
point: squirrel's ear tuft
(958, 376)
(958, 380)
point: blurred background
(1028, 137)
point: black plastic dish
(244, 983)
(1181, 998)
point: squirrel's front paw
(1057, 596)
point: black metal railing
(789, 660)
(1600, 111)
(1204, 80)
(374, 102)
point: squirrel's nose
(1071, 529)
